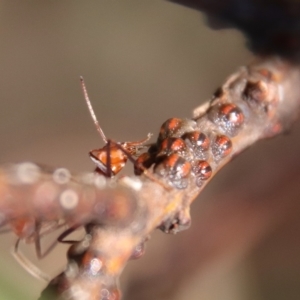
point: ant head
(109, 160)
(112, 158)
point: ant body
(111, 158)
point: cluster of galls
(182, 150)
(172, 154)
(187, 152)
(187, 149)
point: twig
(256, 102)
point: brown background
(143, 62)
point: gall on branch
(257, 102)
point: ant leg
(67, 232)
(38, 249)
(145, 171)
(141, 142)
(39, 235)
(27, 264)
(37, 240)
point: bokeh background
(144, 62)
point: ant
(111, 158)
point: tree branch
(257, 102)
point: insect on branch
(257, 102)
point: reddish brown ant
(111, 158)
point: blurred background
(144, 62)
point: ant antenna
(90, 108)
